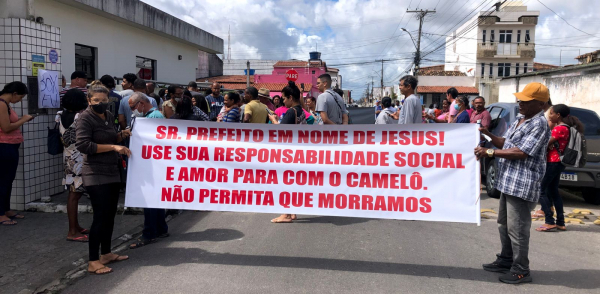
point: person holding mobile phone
(10, 140)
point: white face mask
(137, 113)
(178, 100)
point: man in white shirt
(412, 109)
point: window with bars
(482, 69)
(527, 37)
(503, 69)
(484, 33)
(85, 60)
(492, 38)
(517, 69)
(146, 68)
(491, 70)
(524, 67)
(518, 36)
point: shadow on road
(211, 235)
(335, 220)
(577, 279)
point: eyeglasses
(135, 106)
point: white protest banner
(48, 94)
(415, 172)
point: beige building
(492, 45)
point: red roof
(277, 87)
(291, 63)
(226, 79)
(444, 89)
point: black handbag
(55, 145)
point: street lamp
(411, 37)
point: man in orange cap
(521, 157)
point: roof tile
(443, 89)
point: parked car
(586, 178)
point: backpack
(575, 154)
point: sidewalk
(35, 251)
(58, 203)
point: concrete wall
(209, 65)
(237, 66)
(572, 90)
(144, 16)
(117, 44)
(446, 81)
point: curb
(82, 208)
(72, 275)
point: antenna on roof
(229, 44)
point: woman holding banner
(294, 115)
(97, 139)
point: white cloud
(353, 31)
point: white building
(96, 36)
(494, 44)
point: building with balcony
(493, 45)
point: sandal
(118, 258)
(17, 216)
(538, 214)
(83, 239)
(561, 228)
(545, 228)
(8, 222)
(84, 231)
(102, 273)
(294, 217)
(282, 220)
(141, 242)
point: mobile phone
(34, 115)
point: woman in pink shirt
(10, 140)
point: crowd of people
(96, 123)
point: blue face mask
(456, 107)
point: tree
(393, 95)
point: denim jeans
(514, 224)
(550, 193)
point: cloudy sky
(352, 34)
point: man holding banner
(521, 167)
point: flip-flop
(141, 243)
(561, 228)
(84, 231)
(546, 229)
(99, 274)
(83, 239)
(282, 221)
(17, 216)
(294, 217)
(118, 260)
(8, 220)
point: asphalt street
(226, 252)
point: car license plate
(568, 177)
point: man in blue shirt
(378, 108)
(215, 101)
(139, 86)
(521, 156)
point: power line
(564, 19)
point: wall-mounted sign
(37, 62)
(53, 56)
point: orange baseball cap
(534, 91)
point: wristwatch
(490, 152)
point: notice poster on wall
(37, 62)
(416, 172)
(48, 94)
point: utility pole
(247, 73)
(372, 86)
(381, 78)
(421, 16)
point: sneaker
(511, 278)
(496, 267)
